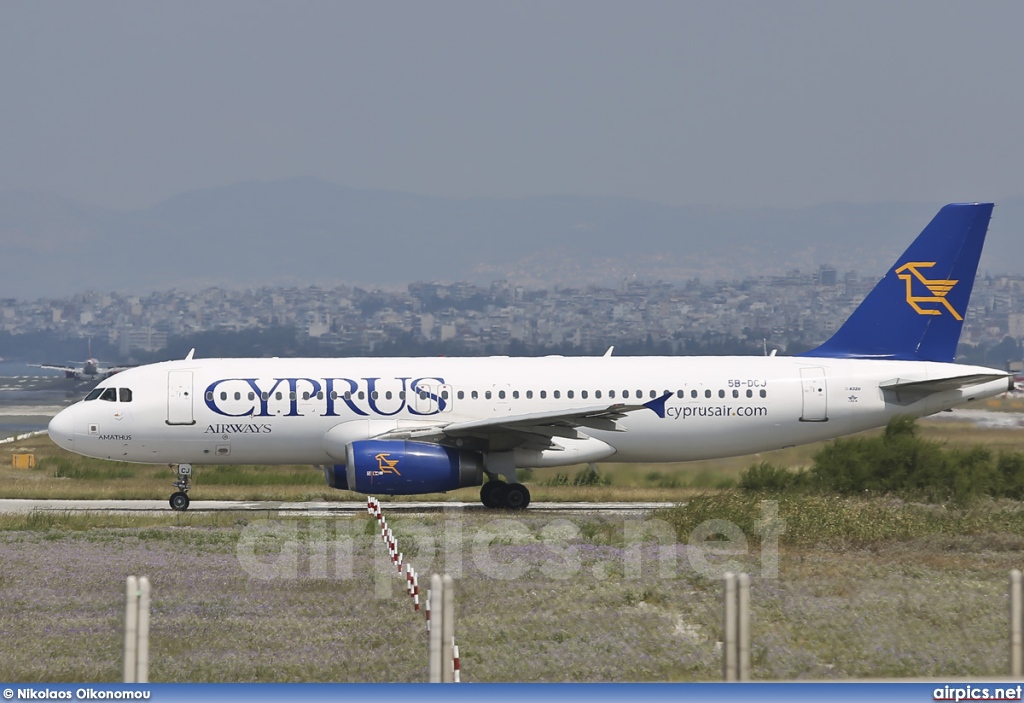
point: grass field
(238, 597)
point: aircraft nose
(62, 428)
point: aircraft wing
(530, 430)
(54, 367)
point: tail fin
(916, 311)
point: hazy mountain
(305, 231)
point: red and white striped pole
(427, 606)
(455, 662)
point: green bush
(767, 476)
(899, 463)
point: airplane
(89, 370)
(406, 426)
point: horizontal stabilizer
(921, 388)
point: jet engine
(399, 467)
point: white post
(743, 628)
(136, 630)
(131, 627)
(729, 636)
(434, 609)
(447, 628)
(1016, 623)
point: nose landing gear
(179, 499)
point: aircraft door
(815, 395)
(179, 398)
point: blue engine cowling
(336, 476)
(398, 467)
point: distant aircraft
(427, 425)
(89, 370)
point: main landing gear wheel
(179, 499)
(498, 494)
(517, 496)
(488, 493)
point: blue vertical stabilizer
(916, 311)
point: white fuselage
(277, 411)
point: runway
(312, 509)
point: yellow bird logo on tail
(938, 287)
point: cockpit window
(94, 394)
(126, 394)
(109, 394)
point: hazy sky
(123, 104)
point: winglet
(658, 404)
(191, 353)
(610, 350)
(916, 312)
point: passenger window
(501, 395)
(721, 393)
(265, 395)
(707, 393)
(126, 395)
(109, 394)
(625, 394)
(238, 396)
(95, 393)
(387, 395)
(209, 394)
(750, 393)
(334, 395)
(583, 394)
(654, 394)
(361, 395)
(568, 394)
(475, 395)
(679, 394)
(597, 394)
(735, 393)
(515, 395)
(460, 395)
(529, 394)
(487, 395)
(319, 395)
(693, 393)
(423, 395)
(278, 395)
(444, 394)
(543, 394)
(291, 395)
(401, 395)
(252, 396)
(223, 395)
(558, 394)
(763, 394)
(374, 395)
(611, 394)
